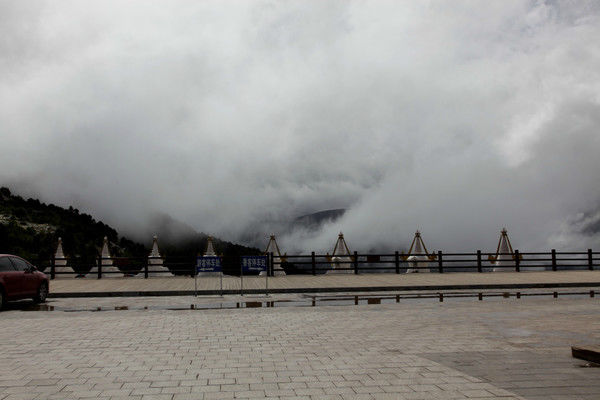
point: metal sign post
(207, 264)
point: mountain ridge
(30, 228)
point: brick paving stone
(219, 395)
(115, 393)
(339, 390)
(157, 397)
(477, 393)
(205, 388)
(188, 396)
(176, 390)
(250, 394)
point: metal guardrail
(315, 264)
(444, 262)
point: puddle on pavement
(307, 301)
(39, 307)
(589, 365)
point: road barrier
(315, 264)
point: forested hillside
(30, 229)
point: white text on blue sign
(208, 264)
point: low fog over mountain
(235, 118)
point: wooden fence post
(440, 262)
(553, 259)
(479, 269)
(100, 267)
(397, 261)
(355, 263)
(314, 263)
(53, 268)
(590, 260)
(517, 261)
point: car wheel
(42, 293)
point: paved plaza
(292, 283)
(456, 349)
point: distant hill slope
(30, 229)
(179, 242)
(317, 219)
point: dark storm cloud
(453, 117)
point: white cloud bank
(456, 118)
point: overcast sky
(453, 117)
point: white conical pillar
(210, 252)
(60, 263)
(272, 247)
(341, 257)
(155, 262)
(417, 255)
(107, 263)
(504, 254)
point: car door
(11, 277)
(33, 282)
(26, 279)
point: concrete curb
(587, 353)
(324, 290)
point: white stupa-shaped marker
(272, 247)
(155, 262)
(418, 256)
(341, 257)
(106, 258)
(105, 254)
(60, 262)
(209, 252)
(505, 256)
(107, 263)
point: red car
(21, 280)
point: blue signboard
(208, 264)
(254, 263)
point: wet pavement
(231, 285)
(391, 345)
(175, 303)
